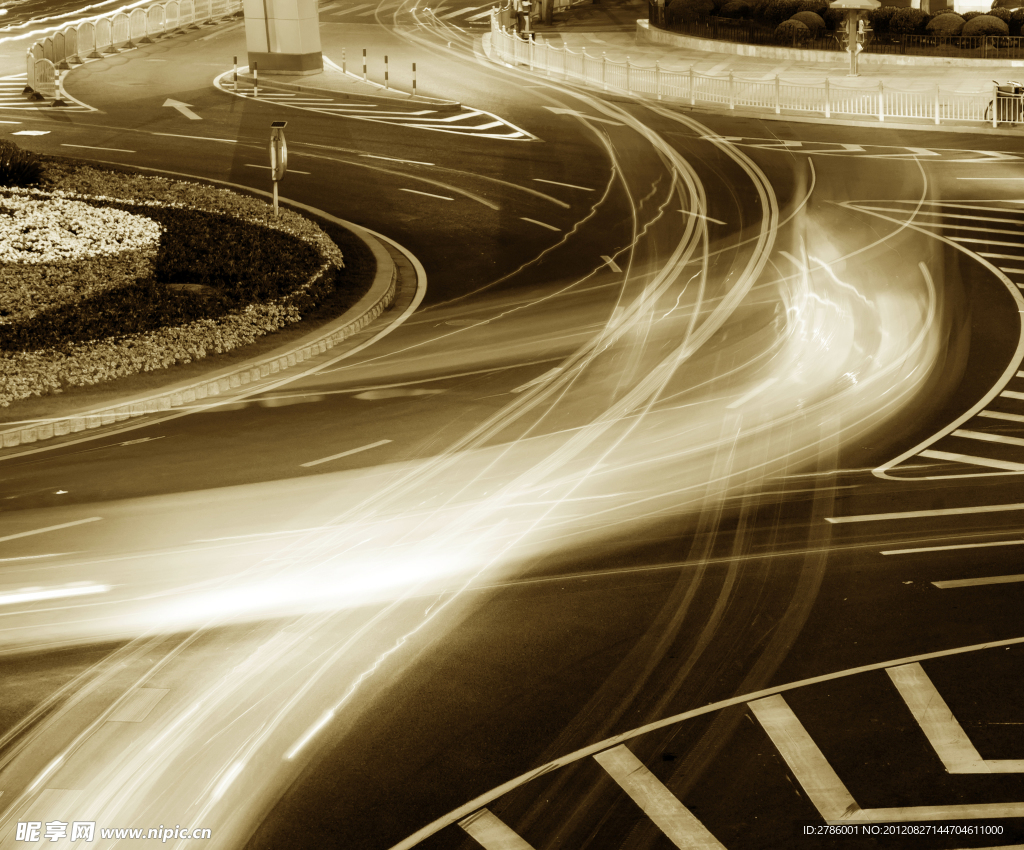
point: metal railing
(825, 98)
(93, 38)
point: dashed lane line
(658, 803)
(952, 548)
(95, 148)
(542, 224)
(428, 194)
(566, 185)
(897, 515)
(345, 454)
(491, 833)
(48, 528)
(941, 728)
(978, 582)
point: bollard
(385, 73)
(255, 79)
(344, 64)
(414, 79)
(234, 77)
(364, 64)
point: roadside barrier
(96, 37)
(825, 98)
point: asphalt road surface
(682, 511)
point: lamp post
(852, 26)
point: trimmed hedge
(685, 11)
(985, 25)
(810, 20)
(789, 31)
(946, 24)
(908, 21)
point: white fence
(106, 34)
(824, 98)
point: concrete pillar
(283, 36)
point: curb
(369, 307)
(402, 98)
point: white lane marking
(1000, 256)
(199, 138)
(183, 108)
(558, 110)
(608, 261)
(658, 803)
(978, 582)
(988, 438)
(49, 528)
(36, 557)
(411, 841)
(37, 594)
(853, 148)
(542, 224)
(980, 509)
(567, 185)
(1012, 271)
(810, 767)
(346, 454)
(428, 194)
(267, 168)
(952, 547)
(705, 217)
(491, 833)
(392, 159)
(1011, 394)
(760, 388)
(941, 728)
(991, 463)
(94, 148)
(990, 178)
(31, 132)
(921, 151)
(995, 414)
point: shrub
(1002, 14)
(908, 21)
(1016, 21)
(985, 25)
(969, 15)
(774, 12)
(946, 24)
(18, 167)
(735, 9)
(792, 32)
(819, 7)
(881, 18)
(810, 20)
(685, 11)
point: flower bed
(70, 320)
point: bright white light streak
(50, 768)
(229, 777)
(346, 454)
(38, 594)
(760, 388)
(171, 729)
(49, 528)
(325, 718)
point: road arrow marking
(558, 110)
(183, 108)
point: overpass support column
(283, 36)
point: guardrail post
(344, 64)
(657, 78)
(778, 95)
(828, 100)
(629, 84)
(732, 93)
(532, 49)
(693, 89)
(385, 72)
(364, 64)
(881, 101)
(995, 104)
(255, 79)
(937, 104)
(604, 70)
(234, 76)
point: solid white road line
(542, 224)
(995, 414)
(978, 582)
(942, 730)
(810, 767)
(608, 261)
(428, 194)
(267, 168)
(952, 548)
(657, 802)
(346, 454)
(988, 438)
(49, 528)
(567, 185)
(392, 159)
(1006, 465)
(491, 833)
(980, 509)
(760, 388)
(94, 148)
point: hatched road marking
(491, 833)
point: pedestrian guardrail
(103, 35)
(825, 98)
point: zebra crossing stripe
(680, 826)
(989, 438)
(990, 463)
(491, 833)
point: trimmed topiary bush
(810, 20)
(985, 25)
(946, 24)
(1016, 21)
(974, 14)
(792, 32)
(1002, 14)
(819, 7)
(685, 11)
(18, 167)
(774, 12)
(908, 21)
(881, 18)
(735, 9)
